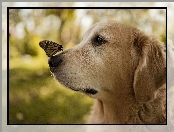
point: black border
(8, 73)
(8, 68)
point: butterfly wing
(42, 44)
(50, 48)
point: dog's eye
(98, 40)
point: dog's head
(112, 58)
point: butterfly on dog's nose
(50, 48)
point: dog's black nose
(54, 61)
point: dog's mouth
(88, 91)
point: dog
(122, 68)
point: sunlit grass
(35, 97)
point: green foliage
(63, 14)
(162, 37)
(66, 19)
(14, 48)
(36, 98)
(14, 17)
(28, 45)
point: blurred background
(35, 97)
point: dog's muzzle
(54, 61)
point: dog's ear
(150, 73)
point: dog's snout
(54, 61)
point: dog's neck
(119, 114)
(128, 111)
(111, 113)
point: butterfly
(50, 48)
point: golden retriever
(122, 68)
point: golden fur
(128, 71)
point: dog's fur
(125, 73)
